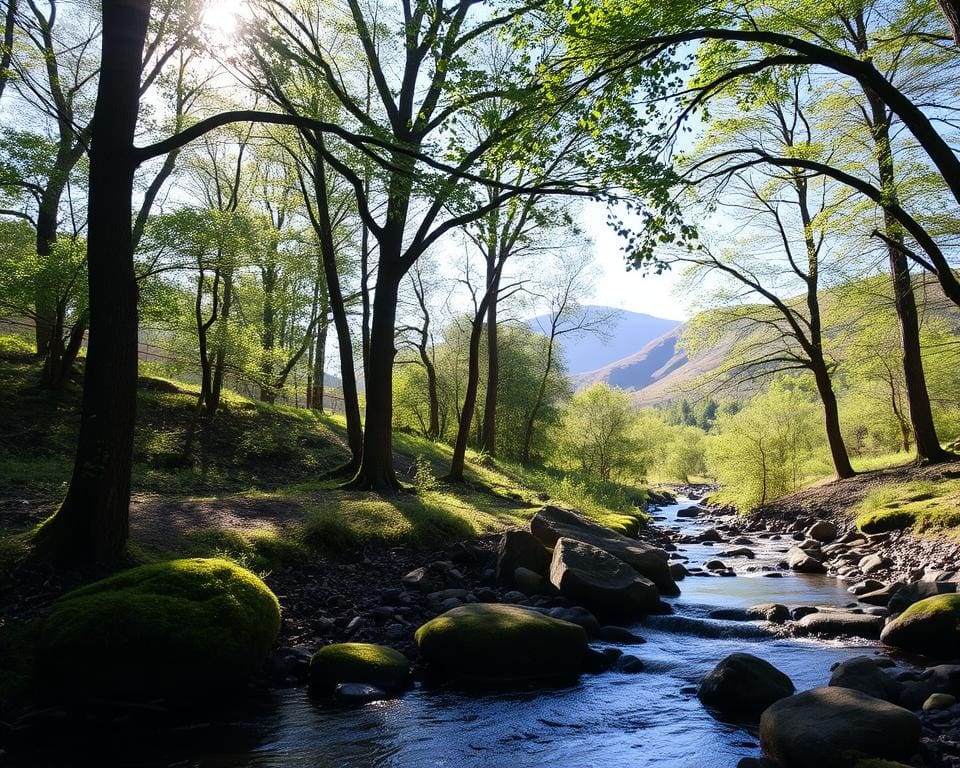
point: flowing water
(648, 719)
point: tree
(435, 86)
(92, 522)
(597, 432)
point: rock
(939, 701)
(621, 635)
(553, 523)
(358, 693)
(603, 660)
(819, 728)
(175, 628)
(742, 686)
(872, 563)
(904, 595)
(944, 678)
(689, 512)
(289, 665)
(880, 596)
(527, 581)
(865, 587)
(420, 579)
(502, 644)
(715, 565)
(514, 596)
(866, 674)
(739, 552)
(729, 614)
(630, 665)
(930, 626)
(678, 571)
(774, 612)
(577, 615)
(802, 610)
(822, 530)
(521, 549)
(838, 624)
(450, 603)
(799, 560)
(711, 534)
(605, 585)
(366, 663)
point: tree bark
(92, 523)
(348, 376)
(488, 437)
(918, 400)
(951, 10)
(376, 471)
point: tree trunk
(831, 417)
(918, 400)
(469, 398)
(92, 523)
(488, 437)
(951, 10)
(538, 403)
(7, 55)
(348, 376)
(319, 364)
(220, 359)
(376, 471)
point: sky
(616, 287)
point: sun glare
(221, 19)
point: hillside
(625, 334)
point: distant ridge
(626, 333)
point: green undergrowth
(275, 453)
(921, 506)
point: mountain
(625, 333)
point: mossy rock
(930, 626)
(181, 628)
(884, 520)
(365, 663)
(502, 645)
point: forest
(292, 300)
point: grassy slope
(269, 462)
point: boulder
(576, 615)
(552, 523)
(880, 596)
(866, 674)
(176, 628)
(527, 581)
(742, 686)
(944, 678)
(739, 552)
(902, 596)
(678, 571)
(937, 701)
(521, 549)
(354, 694)
(621, 635)
(711, 534)
(865, 587)
(839, 624)
(799, 560)
(607, 586)
(364, 663)
(930, 627)
(502, 645)
(774, 612)
(822, 530)
(872, 563)
(822, 727)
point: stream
(652, 718)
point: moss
(884, 520)
(947, 605)
(359, 663)
(18, 646)
(497, 644)
(171, 628)
(930, 626)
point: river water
(648, 719)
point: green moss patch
(178, 628)
(922, 506)
(930, 626)
(366, 663)
(502, 644)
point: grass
(923, 506)
(274, 453)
